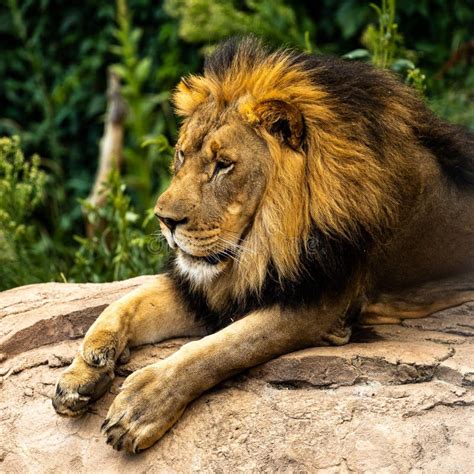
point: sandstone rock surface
(397, 399)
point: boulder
(398, 398)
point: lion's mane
(355, 176)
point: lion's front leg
(151, 313)
(153, 398)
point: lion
(308, 193)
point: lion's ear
(281, 119)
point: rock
(399, 398)
(35, 315)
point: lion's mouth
(211, 259)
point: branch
(111, 145)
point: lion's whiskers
(235, 246)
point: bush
(120, 246)
(53, 68)
(22, 189)
(275, 20)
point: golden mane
(339, 180)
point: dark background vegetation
(53, 70)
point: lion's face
(220, 174)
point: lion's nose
(170, 222)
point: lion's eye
(222, 167)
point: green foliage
(52, 96)
(53, 71)
(149, 114)
(52, 63)
(457, 105)
(22, 187)
(33, 58)
(275, 20)
(119, 247)
(53, 68)
(385, 47)
(385, 40)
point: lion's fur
(363, 161)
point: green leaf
(142, 70)
(402, 64)
(357, 54)
(119, 69)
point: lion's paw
(146, 408)
(80, 385)
(100, 348)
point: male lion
(307, 191)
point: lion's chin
(201, 270)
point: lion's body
(306, 191)
(436, 242)
(381, 177)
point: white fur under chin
(198, 272)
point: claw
(99, 359)
(98, 388)
(104, 424)
(119, 444)
(116, 436)
(135, 448)
(73, 408)
(124, 356)
(107, 425)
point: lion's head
(220, 174)
(274, 147)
